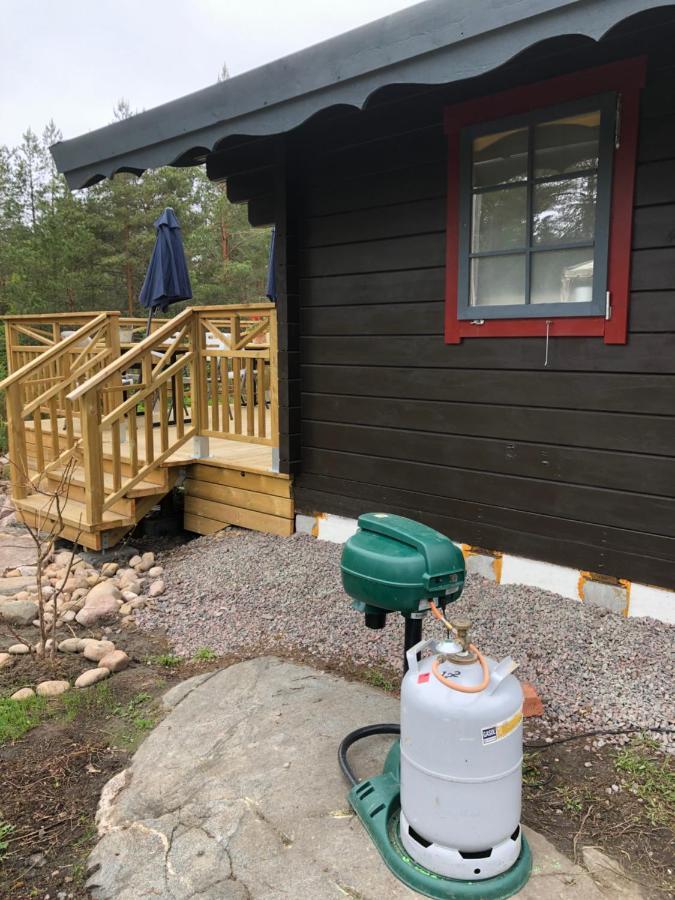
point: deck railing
(42, 417)
(90, 386)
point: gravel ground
(244, 592)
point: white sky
(72, 60)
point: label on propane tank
(502, 729)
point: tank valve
(465, 656)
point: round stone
(91, 676)
(52, 688)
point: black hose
(357, 735)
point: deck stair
(109, 425)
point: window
(540, 207)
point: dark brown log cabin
(560, 450)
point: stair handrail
(131, 355)
(120, 420)
(56, 350)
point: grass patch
(571, 800)
(19, 716)
(168, 660)
(649, 774)
(95, 699)
(205, 654)
(5, 831)
(380, 680)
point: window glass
(499, 220)
(500, 158)
(562, 276)
(497, 280)
(567, 145)
(564, 210)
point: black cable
(585, 734)
(357, 735)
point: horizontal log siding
(574, 464)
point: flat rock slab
(16, 550)
(15, 584)
(237, 795)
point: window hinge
(608, 305)
(617, 123)
(477, 322)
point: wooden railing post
(199, 407)
(274, 389)
(16, 434)
(92, 450)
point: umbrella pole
(147, 327)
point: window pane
(499, 220)
(500, 158)
(566, 145)
(498, 280)
(562, 276)
(564, 210)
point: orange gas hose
(435, 666)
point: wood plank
(415, 217)
(410, 286)
(201, 524)
(571, 428)
(644, 353)
(655, 183)
(232, 496)
(654, 226)
(279, 486)
(617, 508)
(614, 392)
(90, 540)
(653, 270)
(243, 518)
(422, 251)
(652, 311)
(73, 513)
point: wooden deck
(123, 419)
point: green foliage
(380, 680)
(168, 660)
(89, 250)
(204, 654)
(19, 716)
(5, 831)
(649, 774)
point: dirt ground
(52, 775)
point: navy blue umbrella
(167, 280)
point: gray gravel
(244, 593)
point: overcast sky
(72, 60)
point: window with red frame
(540, 206)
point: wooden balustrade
(122, 404)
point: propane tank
(461, 758)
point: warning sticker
(502, 729)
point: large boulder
(18, 612)
(104, 610)
(103, 592)
(96, 650)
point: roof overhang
(435, 42)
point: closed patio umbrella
(167, 280)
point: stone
(28, 570)
(19, 649)
(96, 650)
(49, 643)
(157, 588)
(93, 580)
(125, 609)
(156, 571)
(102, 592)
(532, 706)
(138, 603)
(18, 612)
(115, 661)
(68, 615)
(52, 688)
(131, 583)
(135, 561)
(6, 660)
(129, 596)
(23, 694)
(91, 676)
(102, 611)
(12, 573)
(15, 550)
(279, 816)
(63, 557)
(10, 587)
(78, 594)
(70, 645)
(75, 582)
(128, 620)
(109, 569)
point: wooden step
(72, 513)
(141, 489)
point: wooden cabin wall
(573, 464)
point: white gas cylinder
(461, 758)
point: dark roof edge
(433, 42)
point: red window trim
(626, 77)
